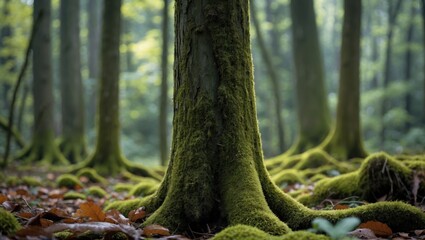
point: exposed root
(74, 151)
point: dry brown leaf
(57, 193)
(3, 198)
(22, 192)
(33, 231)
(114, 216)
(341, 206)
(11, 206)
(26, 215)
(419, 232)
(154, 230)
(92, 211)
(380, 229)
(137, 214)
(45, 222)
(59, 213)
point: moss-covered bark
(345, 141)
(107, 158)
(42, 147)
(72, 144)
(216, 173)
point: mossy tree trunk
(163, 101)
(345, 141)
(408, 65)
(312, 105)
(423, 50)
(274, 81)
(6, 62)
(392, 17)
(73, 143)
(94, 28)
(107, 158)
(43, 147)
(216, 174)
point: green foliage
(339, 230)
(8, 223)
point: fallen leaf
(154, 230)
(402, 234)
(11, 206)
(114, 216)
(92, 211)
(45, 222)
(137, 214)
(3, 198)
(26, 215)
(22, 192)
(59, 212)
(341, 206)
(56, 194)
(362, 233)
(419, 232)
(380, 229)
(33, 231)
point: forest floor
(46, 210)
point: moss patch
(73, 195)
(96, 191)
(123, 187)
(68, 181)
(143, 189)
(92, 175)
(8, 223)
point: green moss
(123, 187)
(68, 181)
(8, 223)
(125, 206)
(143, 189)
(244, 232)
(92, 175)
(288, 176)
(31, 181)
(96, 191)
(73, 195)
(62, 235)
(12, 181)
(317, 177)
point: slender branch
(15, 91)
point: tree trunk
(43, 147)
(163, 101)
(392, 17)
(216, 175)
(312, 105)
(423, 50)
(278, 102)
(6, 32)
(345, 141)
(73, 137)
(408, 66)
(94, 28)
(107, 158)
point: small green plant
(339, 230)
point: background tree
(163, 101)
(43, 147)
(107, 158)
(73, 143)
(345, 141)
(312, 105)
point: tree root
(44, 152)
(74, 151)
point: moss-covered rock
(143, 189)
(96, 191)
(68, 181)
(73, 195)
(92, 175)
(8, 223)
(244, 232)
(31, 181)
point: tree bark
(43, 147)
(107, 158)
(73, 130)
(6, 32)
(163, 101)
(274, 81)
(345, 141)
(423, 45)
(408, 66)
(392, 17)
(312, 105)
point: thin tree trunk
(408, 65)
(5, 32)
(276, 90)
(73, 144)
(345, 141)
(392, 17)
(163, 101)
(423, 50)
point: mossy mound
(379, 175)
(8, 223)
(71, 195)
(31, 181)
(96, 191)
(92, 175)
(123, 187)
(63, 235)
(143, 189)
(244, 232)
(68, 181)
(288, 176)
